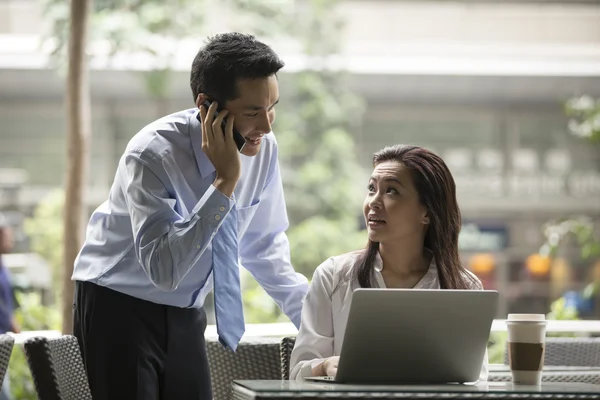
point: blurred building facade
(480, 82)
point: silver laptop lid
(417, 336)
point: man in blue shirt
(185, 210)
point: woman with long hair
(413, 221)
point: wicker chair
(57, 368)
(574, 352)
(286, 346)
(6, 347)
(253, 359)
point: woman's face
(392, 208)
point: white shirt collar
(427, 279)
(379, 262)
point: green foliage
(317, 238)
(126, 26)
(496, 347)
(147, 28)
(584, 123)
(45, 232)
(323, 180)
(152, 29)
(327, 182)
(31, 316)
(21, 382)
(585, 117)
(321, 27)
(265, 18)
(157, 82)
(259, 308)
(560, 311)
(582, 228)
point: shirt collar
(379, 262)
(195, 132)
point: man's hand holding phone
(220, 148)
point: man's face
(254, 110)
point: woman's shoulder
(342, 262)
(338, 268)
(472, 281)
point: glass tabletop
(498, 368)
(507, 387)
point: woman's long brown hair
(437, 192)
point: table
(281, 329)
(272, 390)
(501, 373)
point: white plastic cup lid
(526, 317)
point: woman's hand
(327, 368)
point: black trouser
(137, 350)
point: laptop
(415, 336)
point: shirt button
(197, 246)
(221, 208)
(217, 217)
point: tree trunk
(79, 131)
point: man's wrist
(225, 186)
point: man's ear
(200, 99)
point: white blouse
(326, 308)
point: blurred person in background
(7, 296)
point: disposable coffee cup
(526, 347)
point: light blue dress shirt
(152, 238)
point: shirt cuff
(213, 206)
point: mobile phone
(239, 140)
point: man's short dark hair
(227, 58)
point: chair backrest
(6, 347)
(286, 346)
(570, 351)
(57, 368)
(253, 359)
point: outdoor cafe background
(484, 84)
